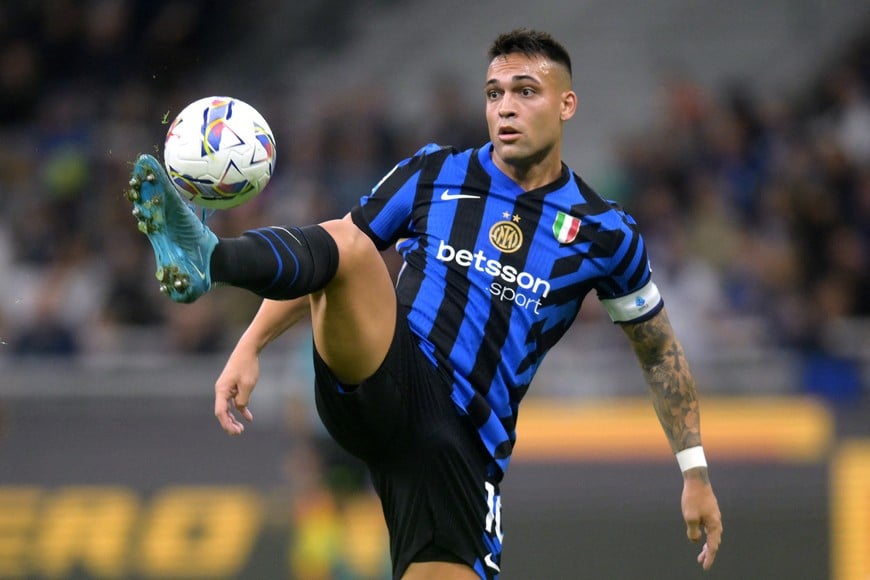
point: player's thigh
(354, 317)
(439, 571)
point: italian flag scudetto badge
(565, 227)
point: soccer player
(423, 380)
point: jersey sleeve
(385, 214)
(628, 293)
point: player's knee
(354, 247)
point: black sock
(278, 263)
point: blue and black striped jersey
(494, 275)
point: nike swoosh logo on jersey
(488, 561)
(447, 196)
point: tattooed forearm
(671, 383)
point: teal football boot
(182, 243)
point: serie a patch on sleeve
(634, 306)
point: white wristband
(691, 458)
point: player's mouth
(508, 134)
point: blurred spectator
(448, 119)
(773, 200)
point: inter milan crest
(566, 227)
(506, 236)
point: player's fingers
(707, 557)
(241, 399)
(693, 530)
(243, 409)
(223, 404)
(228, 421)
(714, 539)
(714, 534)
(220, 407)
(713, 531)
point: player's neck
(532, 175)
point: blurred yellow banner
(741, 428)
(850, 511)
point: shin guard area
(278, 263)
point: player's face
(527, 100)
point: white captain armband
(691, 458)
(633, 306)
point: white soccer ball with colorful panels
(219, 152)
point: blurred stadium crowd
(757, 208)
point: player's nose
(506, 107)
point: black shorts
(435, 479)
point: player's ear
(568, 105)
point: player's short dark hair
(530, 43)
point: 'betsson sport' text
(508, 274)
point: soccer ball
(219, 152)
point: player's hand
(701, 512)
(233, 388)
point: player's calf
(278, 263)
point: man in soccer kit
(423, 380)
